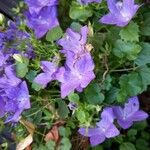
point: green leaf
(21, 69)
(93, 94)
(50, 145)
(145, 28)
(76, 26)
(80, 13)
(130, 85)
(73, 97)
(65, 144)
(62, 109)
(130, 32)
(142, 144)
(54, 34)
(21, 65)
(81, 116)
(144, 56)
(144, 73)
(126, 50)
(127, 146)
(132, 132)
(140, 125)
(31, 75)
(36, 86)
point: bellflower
(74, 42)
(129, 113)
(2, 106)
(49, 69)
(121, 12)
(14, 95)
(104, 129)
(9, 79)
(89, 1)
(76, 77)
(36, 5)
(79, 66)
(12, 38)
(17, 100)
(45, 20)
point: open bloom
(121, 12)
(129, 113)
(14, 95)
(104, 129)
(36, 5)
(76, 77)
(45, 20)
(88, 1)
(49, 69)
(17, 101)
(79, 66)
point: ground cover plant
(75, 75)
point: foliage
(122, 68)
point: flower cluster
(106, 129)
(42, 16)
(78, 70)
(14, 95)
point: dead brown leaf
(53, 134)
(29, 126)
(25, 142)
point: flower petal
(97, 139)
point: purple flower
(45, 20)
(76, 77)
(11, 39)
(36, 5)
(72, 106)
(89, 1)
(9, 79)
(79, 66)
(2, 106)
(18, 100)
(129, 113)
(74, 42)
(49, 69)
(120, 12)
(104, 129)
(14, 95)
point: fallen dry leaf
(52, 134)
(28, 147)
(29, 126)
(25, 142)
